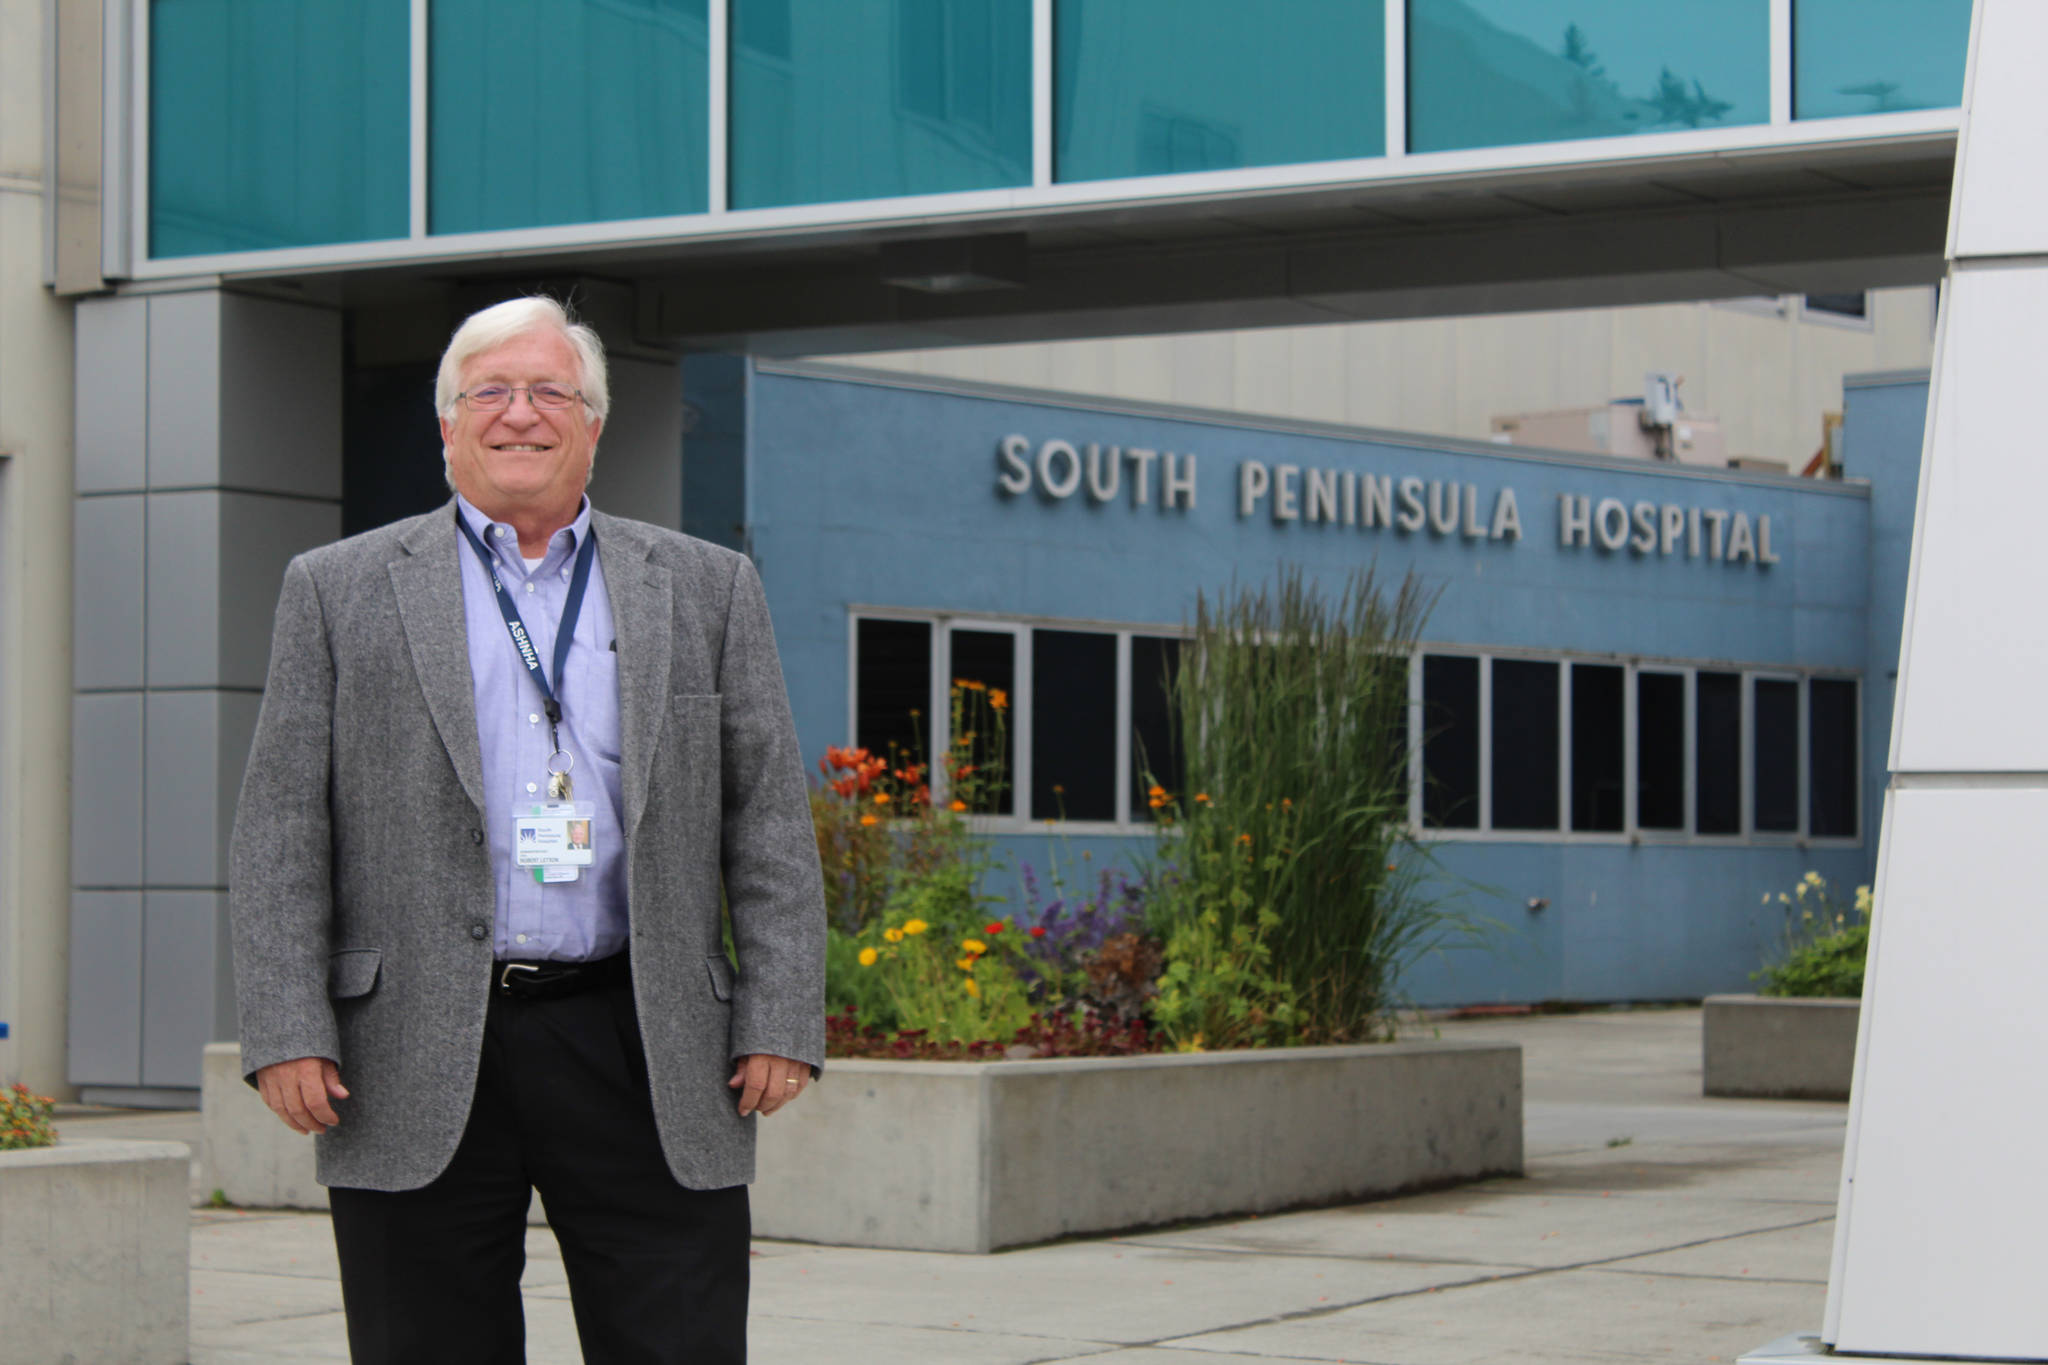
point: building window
(1524, 747)
(1598, 763)
(1450, 742)
(1839, 305)
(1073, 725)
(1660, 750)
(1087, 721)
(1717, 753)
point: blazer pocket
(352, 972)
(721, 975)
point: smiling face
(522, 462)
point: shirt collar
(504, 541)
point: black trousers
(657, 1272)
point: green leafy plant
(1287, 857)
(25, 1119)
(1824, 948)
(952, 986)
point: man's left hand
(767, 1082)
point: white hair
(502, 322)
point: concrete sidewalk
(1653, 1224)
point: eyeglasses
(496, 397)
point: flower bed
(976, 1156)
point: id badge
(557, 839)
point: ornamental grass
(1290, 891)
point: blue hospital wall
(881, 493)
(1884, 419)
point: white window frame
(1632, 831)
(939, 707)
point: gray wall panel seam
(247, 492)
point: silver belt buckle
(505, 977)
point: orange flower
(997, 698)
(958, 807)
(1201, 798)
(869, 820)
(1244, 838)
(881, 798)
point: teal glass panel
(543, 112)
(1490, 73)
(277, 123)
(864, 99)
(1874, 56)
(1152, 87)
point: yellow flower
(915, 926)
(973, 946)
(893, 935)
(870, 820)
(972, 989)
(965, 964)
(1812, 879)
(868, 956)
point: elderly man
(514, 757)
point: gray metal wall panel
(105, 1028)
(106, 586)
(111, 402)
(179, 932)
(186, 841)
(184, 589)
(258, 537)
(106, 789)
(184, 390)
(280, 397)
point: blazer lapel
(428, 584)
(643, 616)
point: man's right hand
(299, 1091)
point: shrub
(1286, 864)
(1824, 949)
(25, 1119)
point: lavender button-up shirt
(585, 919)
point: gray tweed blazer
(360, 887)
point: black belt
(552, 980)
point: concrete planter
(94, 1247)
(1763, 1047)
(964, 1156)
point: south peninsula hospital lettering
(1443, 508)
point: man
(460, 1004)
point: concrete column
(209, 453)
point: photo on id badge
(555, 839)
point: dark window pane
(1841, 305)
(984, 669)
(1776, 760)
(1524, 744)
(1831, 758)
(1875, 56)
(1597, 759)
(892, 687)
(1450, 742)
(1073, 725)
(1487, 73)
(1718, 757)
(1155, 729)
(1660, 750)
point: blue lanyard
(523, 642)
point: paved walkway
(1652, 1225)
